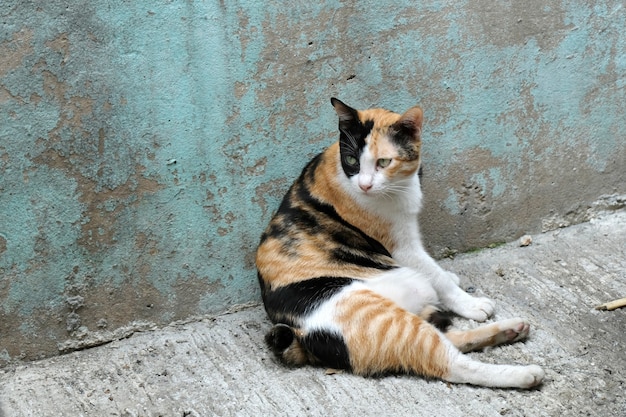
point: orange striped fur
(344, 275)
(373, 324)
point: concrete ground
(218, 366)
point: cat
(344, 275)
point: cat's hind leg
(380, 336)
(504, 331)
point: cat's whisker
(352, 142)
(396, 189)
(387, 195)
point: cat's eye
(351, 160)
(383, 162)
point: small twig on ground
(612, 305)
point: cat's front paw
(476, 308)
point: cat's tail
(284, 341)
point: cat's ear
(347, 115)
(409, 126)
(413, 117)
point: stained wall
(144, 145)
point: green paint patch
(451, 203)
(492, 245)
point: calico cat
(344, 275)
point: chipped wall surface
(144, 145)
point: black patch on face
(405, 136)
(351, 143)
(352, 134)
(299, 298)
(329, 348)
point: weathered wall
(144, 145)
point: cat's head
(379, 149)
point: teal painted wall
(144, 145)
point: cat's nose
(365, 187)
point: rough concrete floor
(219, 366)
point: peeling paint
(15, 50)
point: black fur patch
(351, 144)
(352, 134)
(441, 320)
(404, 135)
(300, 298)
(361, 259)
(329, 348)
(308, 173)
(279, 338)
